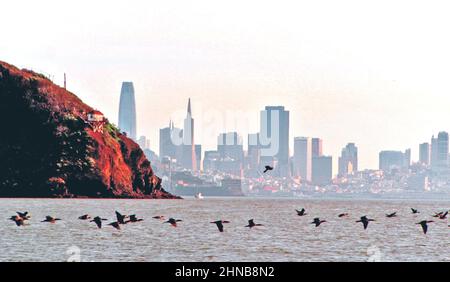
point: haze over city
(355, 73)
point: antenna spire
(189, 107)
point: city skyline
(340, 81)
(307, 160)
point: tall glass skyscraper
(127, 110)
(274, 138)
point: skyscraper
(274, 138)
(439, 150)
(407, 158)
(424, 153)
(143, 142)
(253, 162)
(442, 151)
(389, 160)
(302, 160)
(127, 110)
(230, 149)
(189, 157)
(229, 145)
(166, 146)
(322, 170)
(348, 161)
(316, 144)
(434, 152)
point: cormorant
(84, 217)
(121, 218)
(115, 224)
(424, 224)
(365, 221)
(18, 220)
(173, 221)
(252, 224)
(220, 223)
(317, 221)
(24, 215)
(301, 212)
(267, 168)
(133, 218)
(394, 214)
(98, 220)
(50, 219)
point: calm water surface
(285, 236)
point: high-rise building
(167, 148)
(424, 153)
(434, 152)
(389, 160)
(439, 150)
(322, 170)
(211, 161)
(348, 161)
(302, 159)
(143, 142)
(229, 145)
(407, 158)
(127, 110)
(189, 158)
(316, 145)
(179, 143)
(253, 151)
(442, 151)
(274, 139)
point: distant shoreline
(243, 198)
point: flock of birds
(365, 220)
(22, 217)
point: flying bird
(394, 214)
(220, 223)
(173, 221)
(444, 215)
(160, 217)
(301, 212)
(115, 224)
(133, 218)
(24, 215)
(18, 220)
(438, 214)
(414, 211)
(365, 221)
(343, 215)
(50, 219)
(98, 220)
(84, 217)
(252, 224)
(318, 222)
(121, 218)
(267, 168)
(424, 224)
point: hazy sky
(371, 72)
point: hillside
(50, 148)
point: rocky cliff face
(49, 148)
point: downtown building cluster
(305, 169)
